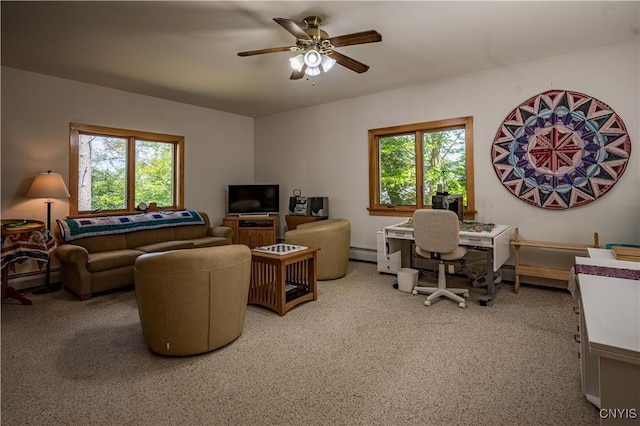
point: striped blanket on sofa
(73, 229)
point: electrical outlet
(451, 269)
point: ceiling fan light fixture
(297, 62)
(316, 48)
(312, 71)
(312, 58)
(327, 63)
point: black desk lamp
(48, 185)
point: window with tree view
(114, 170)
(409, 164)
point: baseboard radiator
(29, 280)
(35, 279)
(508, 271)
(363, 254)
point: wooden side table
(282, 281)
(293, 220)
(23, 239)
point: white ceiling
(187, 51)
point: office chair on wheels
(436, 234)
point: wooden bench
(542, 271)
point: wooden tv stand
(253, 230)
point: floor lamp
(48, 185)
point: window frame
(377, 209)
(75, 129)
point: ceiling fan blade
(293, 28)
(297, 75)
(350, 63)
(363, 37)
(261, 51)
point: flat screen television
(253, 199)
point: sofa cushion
(100, 244)
(166, 246)
(112, 259)
(191, 232)
(209, 242)
(150, 236)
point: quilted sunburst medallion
(560, 149)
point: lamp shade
(312, 58)
(315, 62)
(297, 62)
(327, 63)
(48, 185)
(312, 71)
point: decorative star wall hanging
(560, 149)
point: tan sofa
(333, 237)
(192, 301)
(94, 264)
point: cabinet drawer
(400, 234)
(389, 267)
(466, 240)
(393, 257)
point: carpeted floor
(362, 354)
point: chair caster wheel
(465, 295)
(414, 292)
(427, 303)
(462, 305)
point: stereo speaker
(292, 205)
(319, 206)
(299, 206)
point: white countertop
(611, 310)
(497, 230)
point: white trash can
(407, 279)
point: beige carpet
(362, 354)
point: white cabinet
(610, 337)
(388, 261)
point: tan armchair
(192, 301)
(333, 237)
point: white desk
(610, 339)
(598, 253)
(496, 243)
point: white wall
(323, 150)
(37, 110)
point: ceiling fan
(317, 49)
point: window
(114, 170)
(408, 164)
